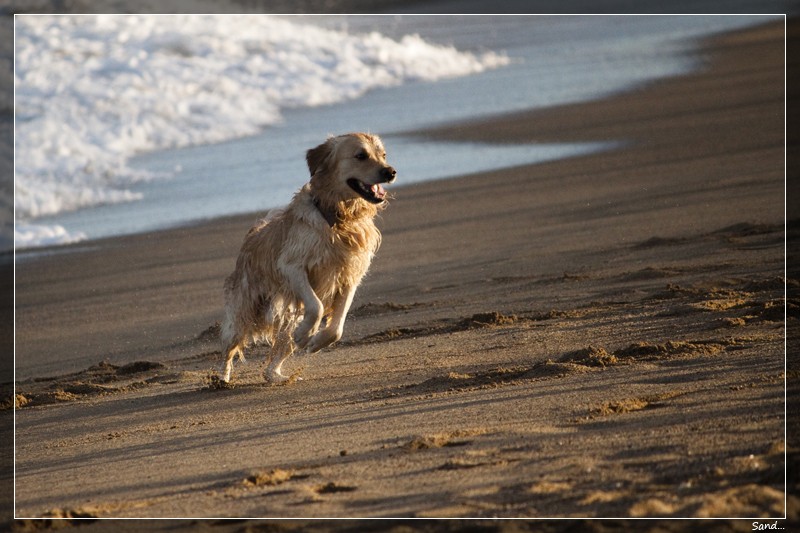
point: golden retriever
(302, 264)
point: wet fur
(294, 268)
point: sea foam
(92, 91)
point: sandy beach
(602, 336)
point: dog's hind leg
(282, 348)
(233, 349)
(232, 341)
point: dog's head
(351, 166)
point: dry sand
(596, 337)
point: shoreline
(582, 333)
(125, 218)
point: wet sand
(596, 337)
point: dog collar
(331, 217)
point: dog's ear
(317, 157)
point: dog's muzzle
(374, 193)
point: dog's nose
(388, 174)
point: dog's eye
(361, 156)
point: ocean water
(133, 123)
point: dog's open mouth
(371, 193)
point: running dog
(299, 268)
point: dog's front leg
(333, 332)
(312, 315)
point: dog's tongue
(378, 191)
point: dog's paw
(322, 339)
(225, 373)
(302, 336)
(215, 382)
(276, 378)
(301, 342)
